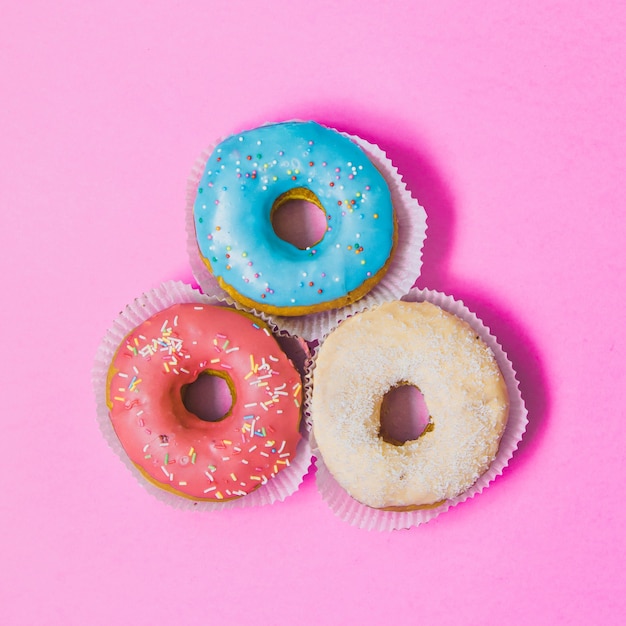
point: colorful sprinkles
(248, 450)
(230, 218)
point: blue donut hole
(299, 219)
(209, 397)
(404, 415)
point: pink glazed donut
(173, 448)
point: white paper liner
(401, 275)
(362, 516)
(285, 483)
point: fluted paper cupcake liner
(362, 516)
(401, 275)
(285, 483)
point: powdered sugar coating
(422, 345)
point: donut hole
(404, 415)
(298, 218)
(209, 397)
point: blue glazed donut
(250, 175)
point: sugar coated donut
(175, 449)
(417, 344)
(250, 175)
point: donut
(249, 176)
(407, 343)
(174, 448)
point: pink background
(508, 125)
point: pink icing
(200, 459)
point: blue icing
(245, 175)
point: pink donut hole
(404, 415)
(209, 397)
(299, 222)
